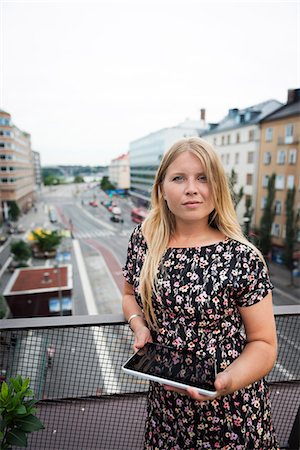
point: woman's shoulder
(243, 249)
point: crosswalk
(101, 233)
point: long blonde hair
(160, 223)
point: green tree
(106, 184)
(13, 211)
(267, 219)
(21, 250)
(47, 241)
(18, 414)
(50, 180)
(291, 224)
(78, 179)
(235, 194)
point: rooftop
(39, 279)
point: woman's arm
(137, 324)
(258, 356)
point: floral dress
(199, 291)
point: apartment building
(146, 153)
(237, 138)
(280, 154)
(119, 173)
(16, 171)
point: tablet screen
(175, 365)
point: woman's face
(185, 189)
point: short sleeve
(252, 282)
(132, 253)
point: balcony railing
(86, 402)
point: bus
(138, 215)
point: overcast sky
(85, 78)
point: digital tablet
(178, 368)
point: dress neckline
(223, 241)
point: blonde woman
(193, 281)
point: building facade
(237, 138)
(17, 181)
(119, 173)
(146, 153)
(37, 169)
(280, 154)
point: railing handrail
(101, 319)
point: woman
(193, 281)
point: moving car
(116, 215)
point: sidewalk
(281, 278)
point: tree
(106, 184)
(20, 250)
(50, 180)
(14, 211)
(248, 215)
(47, 241)
(236, 196)
(267, 218)
(291, 231)
(78, 179)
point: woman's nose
(191, 187)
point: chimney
(293, 95)
(202, 114)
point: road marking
(291, 297)
(284, 371)
(85, 282)
(292, 343)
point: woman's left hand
(223, 385)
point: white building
(118, 172)
(146, 153)
(237, 138)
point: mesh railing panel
(87, 402)
(287, 367)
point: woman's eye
(178, 178)
(203, 178)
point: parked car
(93, 203)
(3, 239)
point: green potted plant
(17, 413)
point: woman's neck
(190, 235)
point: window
(215, 141)
(236, 158)
(279, 182)
(222, 140)
(237, 138)
(250, 157)
(265, 181)
(228, 139)
(251, 135)
(263, 202)
(292, 156)
(227, 158)
(278, 207)
(281, 155)
(290, 182)
(267, 158)
(249, 179)
(289, 131)
(275, 230)
(269, 134)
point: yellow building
(16, 166)
(280, 154)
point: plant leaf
(29, 424)
(17, 437)
(21, 410)
(4, 390)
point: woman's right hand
(141, 336)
